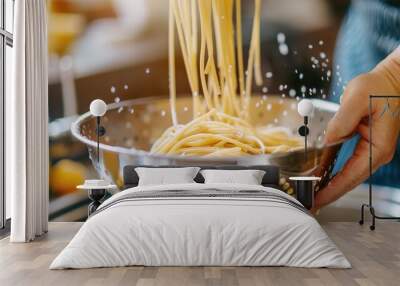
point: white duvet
(203, 231)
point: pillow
(248, 177)
(166, 176)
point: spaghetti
(210, 39)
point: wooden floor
(375, 257)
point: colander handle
(326, 165)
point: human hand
(352, 118)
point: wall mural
(206, 86)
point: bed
(201, 224)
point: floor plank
(375, 257)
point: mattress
(201, 225)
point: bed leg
(96, 195)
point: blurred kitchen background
(117, 50)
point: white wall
(7, 95)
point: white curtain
(26, 124)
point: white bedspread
(183, 231)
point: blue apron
(371, 30)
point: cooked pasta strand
(209, 33)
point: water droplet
(283, 49)
(185, 109)
(163, 113)
(126, 87)
(117, 99)
(129, 142)
(264, 97)
(322, 55)
(269, 106)
(268, 75)
(147, 71)
(285, 113)
(316, 61)
(131, 110)
(120, 109)
(303, 89)
(310, 46)
(321, 42)
(276, 120)
(265, 89)
(301, 76)
(281, 38)
(280, 87)
(292, 93)
(113, 89)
